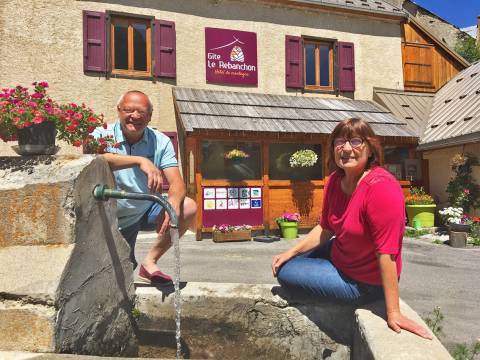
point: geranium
(462, 189)
(418, 196)
(236, 154)
(303, 158)
(224, 228)
(287, 216)
(74, 124)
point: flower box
(239, 235)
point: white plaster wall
(42, 40)
(441, 173)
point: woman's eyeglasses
(354, 142)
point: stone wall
(46, 40)
(66, 283)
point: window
(318, 65)
(279, 165)
(136, 45)
(130, 46)
(215, 164)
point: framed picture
(395, 170)
(413, 169)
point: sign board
(231, 57)
(232, 206)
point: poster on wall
(231, 56)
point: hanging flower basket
(236, 154)
(303, 158)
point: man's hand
(397, 321)
(154, 175)
(162, 227)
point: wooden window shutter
(346, 66)
(174, 139)
(94, 41)
(165, 49)
(293, 62)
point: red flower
(105, 125)
(77, 143)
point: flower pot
(37, 139)
(459, 227)
(423, 215)
(239, 235)
(289, 229)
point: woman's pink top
(367, 222)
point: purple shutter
(94, 41)
(293, 61)
(346, 66)
(174, 139)
(165, 51)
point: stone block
(373, 340)
(29, 327)
(61, 249)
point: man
(137, 161)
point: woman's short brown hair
(350, 128)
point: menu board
(232, 206)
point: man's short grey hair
(120, 99)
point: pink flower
(38, 119)
(466, 191)
(37, 96)
(32, 104)
(43, 84)
(21, 110)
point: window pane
(324, 66)
(215, 166)
(121, 46)
(279, 165)
(310, 64)
(140, 47)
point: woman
(363, 208)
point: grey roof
(372, 6)
(455, 115)
(414, 108)
(224, 110)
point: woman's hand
(397, 321)
(279, 260)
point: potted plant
(455, 219)
(288, 223)
(225, 232)
(420, 208)
(35, 120)
(303, 158)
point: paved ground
(433, 275)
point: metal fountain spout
(103, 193)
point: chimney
(478, 30)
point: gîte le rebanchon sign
(231, 56)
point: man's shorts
(146, 223)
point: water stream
(176, 283)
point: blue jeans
(146, 223)
(313, 275)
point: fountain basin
(243, 321)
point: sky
(461, 13)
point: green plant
(136, 313)
(434, 321)
(303, 158)
(462, 190)
(467, 48)
(438, 242)
(414, 233)
(464, 352)
(418, 196)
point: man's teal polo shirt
(155, 146)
